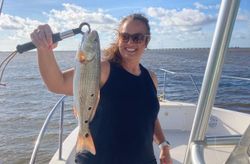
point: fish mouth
(93, 36)
(88, 47)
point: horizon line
(151, 49)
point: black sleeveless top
(123, 126)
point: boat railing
(197, 146)
(162, 95)
(162, 88)
(44, 127)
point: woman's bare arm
(55, 80)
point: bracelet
(164, 143)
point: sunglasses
(136, 38)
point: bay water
(25, 101)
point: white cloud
(183, 20)
(22, 27)
(60, 20)
(200, 6)
(180, 28)
(8, 22)
(72, 15)
(185, 25)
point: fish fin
(81, 56)
(85, 142)
(75, 112)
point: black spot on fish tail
(85, 142)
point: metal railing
(197, 146)
(191, 76)
(44, 127)
(165, 72)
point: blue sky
(174, 23)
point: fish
(86, 88)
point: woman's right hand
(42, 38)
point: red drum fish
(86, 88)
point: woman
(126, 122)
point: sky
(174, 23)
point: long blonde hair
(112, 53)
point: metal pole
(61, 131)
(224, 27)
(223, 140)
(1, 6)
(42, 131)
(194, 83)
(164, 86)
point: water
(232, 94)
(25, 101)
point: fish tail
(85, 142)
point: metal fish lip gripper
(55, 37)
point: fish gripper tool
(55, 37)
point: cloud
(200, 6)
(20, 26)
(182, 20)
(8, 22)
(60, 20)
(243, 15)
(187, 25)
(72, 15)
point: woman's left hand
(165, 157)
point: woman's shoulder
(153, 76)
(105, 64)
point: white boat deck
(179, 140)
(176, 119)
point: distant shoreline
(231, 49)
(166, 50)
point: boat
(176, 120)
(199, 133)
